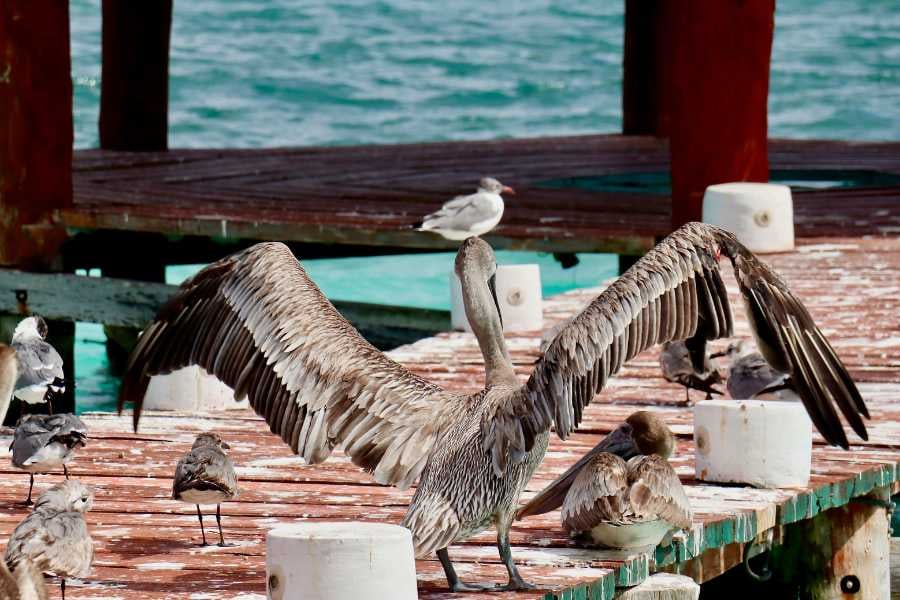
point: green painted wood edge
(603, 588)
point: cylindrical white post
(762, 443)
(340, 561)
(519, 296)
(761, 215)
(189, 389)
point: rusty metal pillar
(698, 73)
(134, 91)
(35, 130)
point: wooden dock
(370, 196)
(147, 544)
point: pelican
(257, 322)
(9, 375)
(465, 216)
(623, 491)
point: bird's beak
(507, 190)
(226, 446)
(620, 443)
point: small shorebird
(750, 376)
(9, 375)
(465, 216)
(26, 584)
(686, 363)
(205, 475)
(623, 489)
(42, 443)
(41, 377)
(54, 537)
(258, 322)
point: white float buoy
(761, 215)
(340, 561)
(518, 294)
(189, 389)
(762, 443)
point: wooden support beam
(840, 553)
(698, 72)
(128, 303)
(662, 586)
(35, 129)
(134, 92)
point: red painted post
(35, 129)
(698, 73)
(717, 83)
(134, 91)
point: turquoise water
(277, 72)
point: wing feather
(257, 322)
(656, 491)
(598, 493)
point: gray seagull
(205, 475)
(42, 443)
(465, 216)
(751, 376)
(40, 368)
(54, 537)
(686, 363)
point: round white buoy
(189, 389)
(762, 443)
(761, 215)
(340, 561)
(518, 295)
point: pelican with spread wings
(257, 321)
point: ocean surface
(276, 72)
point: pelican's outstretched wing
(256, 321)
(675, 292)
(657, 492)
(598, 493)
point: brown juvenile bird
(621, 486)
(26, 584)
(205, 475)
(686, 363)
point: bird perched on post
(40, 368)
(259, 323)
(686, 363)
(205, 475)
(620, 486)
(465, 216)
(42, 443)
(54, 537)
(9, 376)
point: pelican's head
(475, 263)
(70, 495)
(33, 326)
(642, 433)
(209, 438)
(489, 184)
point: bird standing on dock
(686, 363)
(258, 322)
(41, 377)
(751, 376)
(43, 443)
(620, 487)
(9, 375)
(465, 216)
(205, 475)
(54, 537)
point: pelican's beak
(620, 442)
(225, 445)
(492, 283)
(508, 190)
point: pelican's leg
(28, 501)
(453, 580)
(515, 580)
(62, 587)
(687, 395)
(202, 532)
(65, 471)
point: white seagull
(465, 216)
(40, 365)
